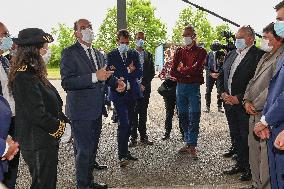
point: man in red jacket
(188, 65)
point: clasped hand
(229, 99)
(121, 85)
(12, 150)
(261, 131)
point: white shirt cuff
(262, 120)
(94, 78)
(6, 149)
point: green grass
(53, 73)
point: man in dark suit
(126, 65)
(5, 45)
(238, 69)
(83, 72)
(213, 66)
(140, 113)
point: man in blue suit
(83, 74)
(125, 64)
(8, 148)
(271, 125)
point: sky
(45, 14)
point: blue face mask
(123, 48)
(240, 44)
(6, 43)
(279, 28)
(139, 43)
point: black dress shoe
(234, 170)
(245, 176)
(100, 167)
(230, 153)
(249, 187)
(166, 137)
(99, 186)
(147, 142)
(131, 158)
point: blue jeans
(189, 107)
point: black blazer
(38, 110)
(243, 74)
(148, 72)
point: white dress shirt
(236, 63)
(94, 76)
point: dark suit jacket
(38, 110)
(115, 63)
(85, 99)
(148, 73)
(5, 120)
(243, 74)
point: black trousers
(170, 104)
(10, 177)
(42, 165)
(210, 82)
(140, 119)
(238, 121)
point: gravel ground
(159, 166)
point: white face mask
(264, 45)
(88, 35)
(187, 40)
(46, 57)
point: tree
(65, 37)
(140, 17)
(205, 32)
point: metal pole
(121, 14)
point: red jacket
(191, 62)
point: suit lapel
(230, 62)
(85, 57)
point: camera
(230, 40)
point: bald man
(238, 70)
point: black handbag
(167, 88)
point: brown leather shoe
(184, 150)
(192, 151)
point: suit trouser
(42, 165)
(11, 176)
(210, 81)
(258, 157)
(276, 161)
(86, 138)
(140, 119)
(125, 110)
(189, 105)
(238, 121)
(170, 104)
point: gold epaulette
(60, 131)
(22, 69)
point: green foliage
(65, 37)
(140, 17)
(205, 32)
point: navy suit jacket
(85, 99)
(274, 107)
(5, 120)
(115, 63)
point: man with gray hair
(238, 70)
